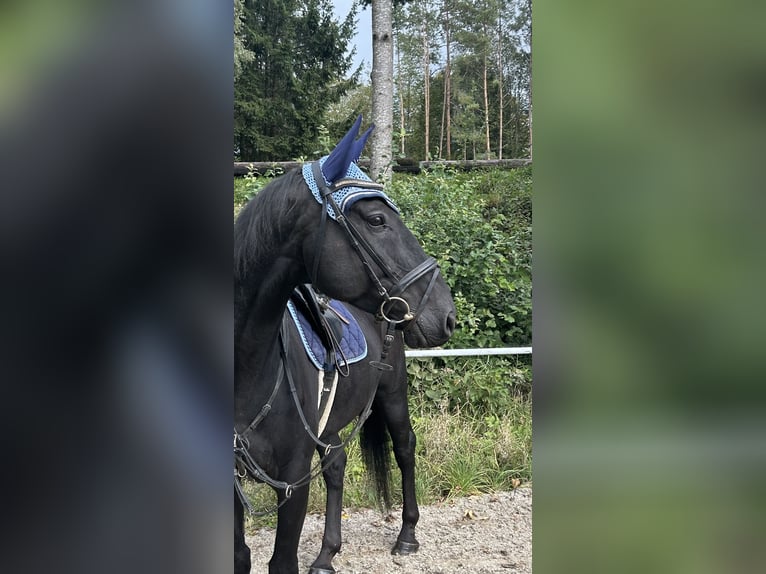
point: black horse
(365, 256)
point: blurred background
(648, 124)
(648, 278)
(115, 139)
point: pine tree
(241, 54)
(297, 71)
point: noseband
(394, 309)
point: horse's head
(360, 251)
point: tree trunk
(500, 87)
(382, 90)
(530, 109)
(516, 126)
(441, 128)
(426, 91)
(486, 111)
(447, 87)
(402, 130)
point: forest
(461, 79)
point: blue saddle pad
(352, 343)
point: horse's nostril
(450, 325)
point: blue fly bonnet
(339, 165)
(346, 196)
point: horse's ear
(336, 164)
(359, 144)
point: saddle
(324, 325)
(332, 339)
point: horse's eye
(376, 220)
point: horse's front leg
(241, 551)
(333, 478)
(403, 441)
(290, 519)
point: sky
(363, 38)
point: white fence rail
(468, 352)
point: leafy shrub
(479, 226)
(473, 385)
(245, 188)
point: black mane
(254, 234)
(257, 236)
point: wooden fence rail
(243, 168)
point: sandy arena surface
(485, 534)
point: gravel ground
(485, 534)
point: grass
(458, 454)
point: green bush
(472, 385)
(247, 187)
(479, 226)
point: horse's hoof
(404, 548)
(314, 570)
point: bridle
(392, 300)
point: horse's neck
(256, 347)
